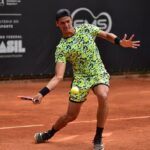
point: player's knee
(102, 100)
(103, 96)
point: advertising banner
(28, 35)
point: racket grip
(35, 101)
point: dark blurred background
(28, 35)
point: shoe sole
(99, 147)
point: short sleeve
(60, 56)
(94, 30)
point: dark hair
(62, 13)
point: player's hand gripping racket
(29, 98)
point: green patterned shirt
(81, 51)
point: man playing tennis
(78, 46)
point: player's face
(65, 25)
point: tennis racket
(29, 98)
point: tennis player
(78, 46)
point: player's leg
(74, 106)
(75, 103)
(71, 114)
(101, 91)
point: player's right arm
(59, 75)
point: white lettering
(102, 24)
(6, 26)
(12, 46)
(102, 20)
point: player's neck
(69, 33)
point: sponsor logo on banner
(1, 2)
(85, 15)
(12, 2)
(12, 46)
(8, 23)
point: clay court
(127, 127)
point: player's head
(62, 13)
(64, 21)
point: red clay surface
(127, 127)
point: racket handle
(36, 101)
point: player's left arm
(124, 42)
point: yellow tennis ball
(74, 90)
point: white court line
(107, 134)
(130, 118)
(115, 119)
(144, 92)
(25, 126)
(76, 122)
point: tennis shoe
(98, 145)
(41, 137)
